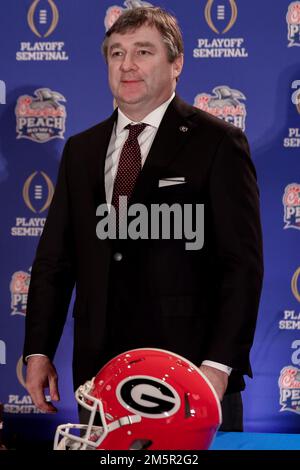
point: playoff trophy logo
(219, 10)
(220, 15)
(33, 193)
(42, 19)
(37, 193)
(39, 18)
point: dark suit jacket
(200, 304)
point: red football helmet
(146, 399)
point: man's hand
(41, 374)
(217, 378)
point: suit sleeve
(52, 276)
(238, 267)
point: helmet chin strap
(125, 420)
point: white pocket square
(171, 181)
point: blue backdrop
(242, 63)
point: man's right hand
(41, 374)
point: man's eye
(143, 52)
(116, 54)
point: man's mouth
(131, 81)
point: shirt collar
(153, 119)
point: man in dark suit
(201, 304)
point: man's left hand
(217, 378)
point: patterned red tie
(129, 167)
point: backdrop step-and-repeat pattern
(242, 64)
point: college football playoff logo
(220, 15)
(33, 194)
(41, 17)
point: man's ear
(177, 65)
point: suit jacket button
(118, 256)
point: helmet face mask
(145, 399)
(90, 436)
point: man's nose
(128, 63)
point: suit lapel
(99, 142)
(172, 135)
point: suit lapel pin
(183, 129)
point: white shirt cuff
(218, 366)
(37, 354)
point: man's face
(140, 75)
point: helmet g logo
(148, 396)
(144, 397)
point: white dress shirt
(119, 136)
